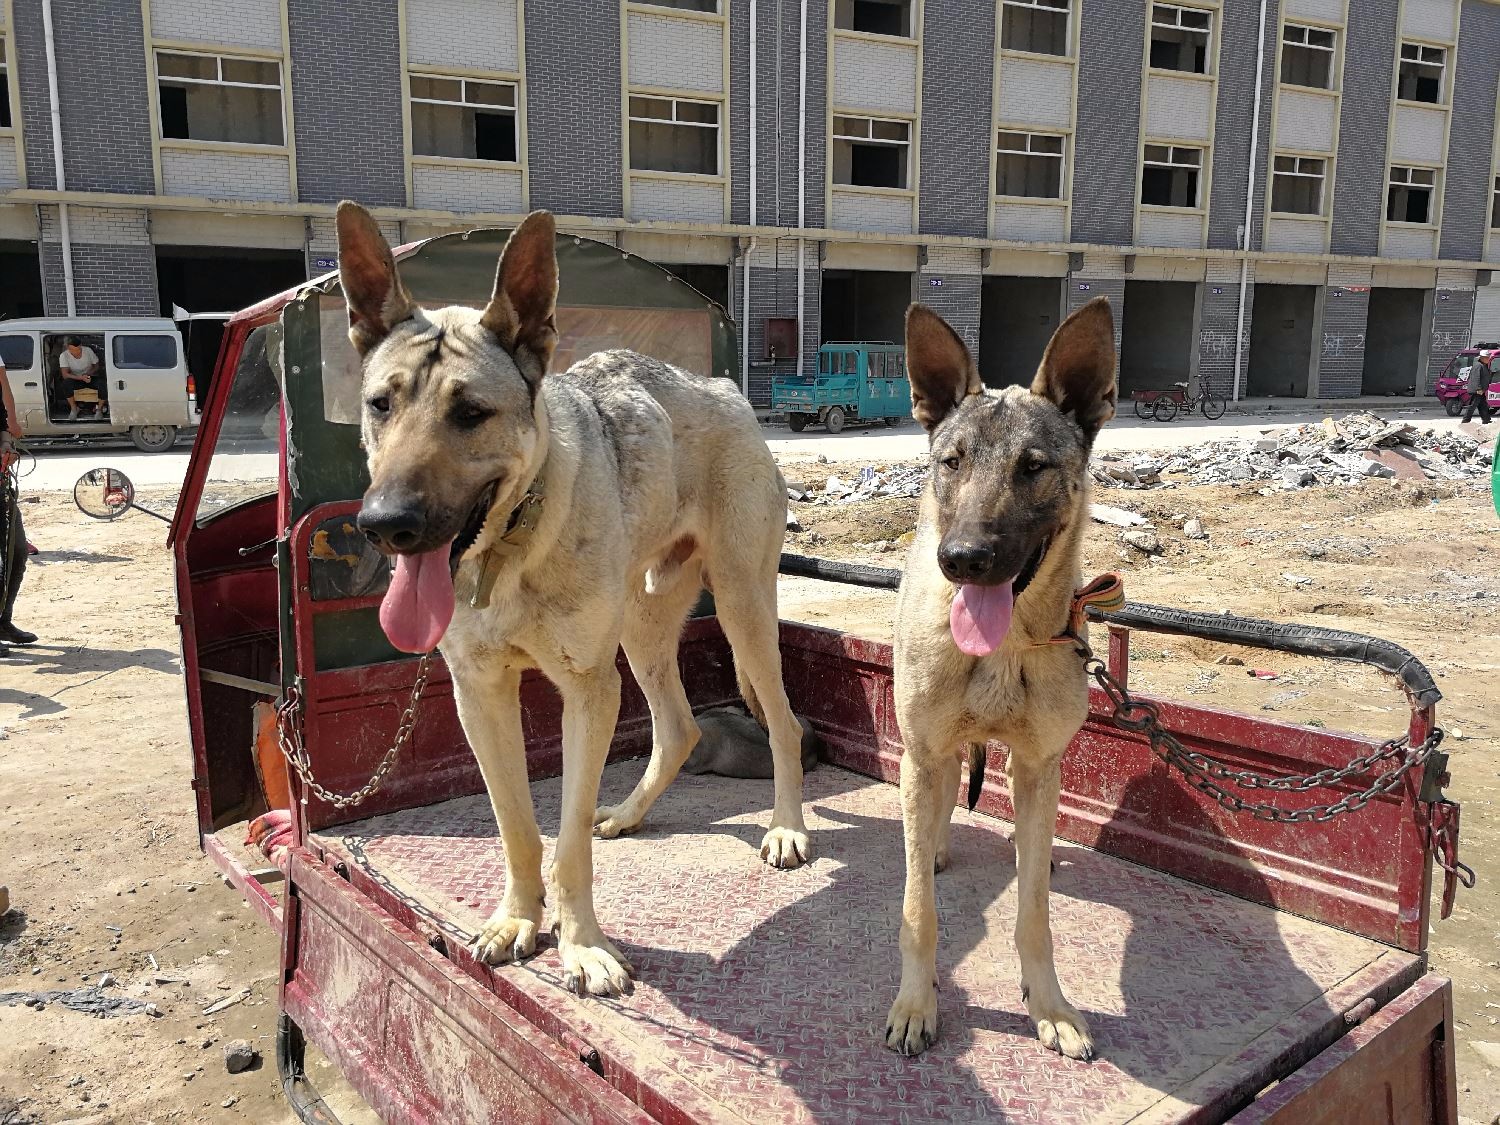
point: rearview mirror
(107, 494)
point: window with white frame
(463, 117)
(1297, 185)
(874, 17)
(1409, 195)
(1038, 26)
(1421, 75)
(5, 122)
(1169, 176)
(219, 98)
(1180, 38)
(711, 6)
(674, 135)
(1307, 56)
(1030, 165)
(1495, 206)
(871, 152)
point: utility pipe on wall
(801, 185)
(754, 188)
(57, 158)
(1239, 331)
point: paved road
(58, 468)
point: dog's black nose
(391, 526)
(965, 562)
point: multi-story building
(1303, 192)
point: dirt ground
(97, 839)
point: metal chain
(1206, 775)
(289, 738)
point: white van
(139, 383)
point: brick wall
(1452, 320)
(1466, 190)
(1218, 326)
(958, 61)
(221, 175)
(773, 292)
(956, 300)
(1345, 312)
(348, 118)
(1359, 183)
(1236, 108)
(250, 23)
(573, 106)
(107, 280)
(106, 119)
(1105, 147)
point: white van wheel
(153, 439)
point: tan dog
(989, 580)
(566, 516)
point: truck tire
(890, 421)
(153, 438)
(834, 422)
(797, 421)
(1454, 406)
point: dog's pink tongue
(980, 618)
(418, 604)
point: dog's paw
(595, 969)
(1060, 1028)
(786, 847)
(912, 1024)
(504, 938)
(940, 860)
(611, 821)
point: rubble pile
(872, 482)
(1340, 451)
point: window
(1169, 177)
(1307, 56)
(874, 17)
(17, 352)
(145, 353)
(5, 121)
(674, 135)
(1180, 38)
(1297, 185)
(463, 117)
(1029, 164)
(218, 98)
(1038, 26)
(684, 5)
(871, 152)
(1409, 196)
(1495, 206)
(1421, 76)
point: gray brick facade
(1466, 190)
(1232, 121)
(1359, 180)
(958, 73)
(956, 301)
(573, 107)
(107, 280)
(1218, 328)
(1452, 320)
(1080, 290)
(1341, 367)
(348, 118)
(106, 119)
(773, 293)
(1111, 44)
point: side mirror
(107, 494)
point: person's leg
(13, 544)
(1469, 402)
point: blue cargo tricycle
(860, 381)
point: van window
(145, 353)
(17, 352)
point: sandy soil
(97, 839)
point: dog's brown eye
(1036, 463)
(471, 414)
(952, 463)
(381, 405)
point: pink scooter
(1450, 388)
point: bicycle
(1164, 405)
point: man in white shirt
(76, 366)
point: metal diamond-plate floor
(762, 994)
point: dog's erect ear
(1078, 369)
(521, 311)
(939, 365)
(372, 287)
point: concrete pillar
(1102, 275)
(114, 264)
(773, 293)
(1452, 321)
(1218, 323)
(1346, 306)
(949, 285)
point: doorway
(1393, 341)
(1281, 341)
(1017, 316)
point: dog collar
(519, 526)
(1105, 593)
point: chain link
(1211, 777)
(289, 738)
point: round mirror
(104, 494)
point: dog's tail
(976, 772)
(752, 701)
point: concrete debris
(239, 1056)
(1193, 529)
(1116, 517)
(1142, 539)
(792, 522)
(873, 483)
(89, 1001)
